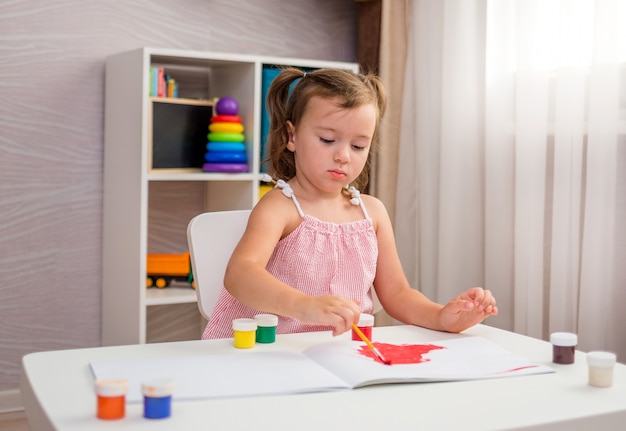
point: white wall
(51, 135)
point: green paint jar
(266, 328)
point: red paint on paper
(518, 369)
(400, 353)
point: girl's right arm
(249, 282)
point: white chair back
(212, 237)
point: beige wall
(51, 134)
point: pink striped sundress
(317, 258)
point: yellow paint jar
(244, 333)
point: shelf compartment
(179, 134)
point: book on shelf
(329, 366)
(162, 84)
(154, 81)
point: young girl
(314, 246)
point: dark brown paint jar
(563, 347)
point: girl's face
(331, 144)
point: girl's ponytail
(282, 164)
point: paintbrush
(370, 345)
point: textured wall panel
(51, 134)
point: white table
(58, 393)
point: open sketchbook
(336, 365)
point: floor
(14, 421)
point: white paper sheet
(325, 367)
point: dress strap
(356, 199)
(288, 191)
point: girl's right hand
(328, 310)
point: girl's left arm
(409, 305)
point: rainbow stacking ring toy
(226, 148)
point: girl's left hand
(468, 309)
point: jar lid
(158, 388)
(601, 359)
(111, 387)
(366, 320)
(563, 339)
(266, 319)
(244, 324)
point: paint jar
(601, 366)
(157, 398)
(244, 333)
(563, 347)
(266, 328)
(111, 395)
(366, 323)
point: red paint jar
(366, 323)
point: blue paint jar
(157, 398)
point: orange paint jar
(111, 395)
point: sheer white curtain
(512, 168)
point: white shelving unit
(147, 207)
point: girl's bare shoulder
(276, 210)
(376, 209)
